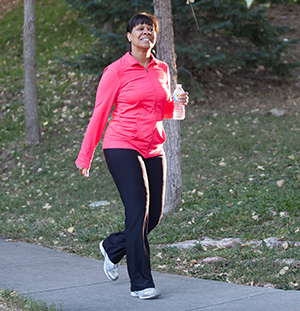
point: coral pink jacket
(142, 100)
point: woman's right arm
(105, 98)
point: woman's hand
(83, 171)
(183, 99)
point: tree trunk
(32, 125)
(166, 53)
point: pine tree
(227, 33)
(208, 34)
(107, 21)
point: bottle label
(177, 97)
(179, 112)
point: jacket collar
(132, 61)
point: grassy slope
(44, 201)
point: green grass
(44, 200)
(15, 302)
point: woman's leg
(135, 178)
(156, 172)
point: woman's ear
(129, 36)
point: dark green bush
(209, 34)
(226, 33)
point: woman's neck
(143, 57)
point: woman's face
(142, 37)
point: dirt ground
(282, 15)
(6, 5)
(258, 89)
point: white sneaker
(147, 293)
(110, 269)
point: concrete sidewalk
(80, 284)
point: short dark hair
(142, 18)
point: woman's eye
(142, 29)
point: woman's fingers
(83, 171)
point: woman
(139, 86)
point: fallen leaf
(282, 214)
(71, 230)
(159, 255)
(13, 294)
(195, 262)
(47, 206)
(269, 285)
(280, 182)
(162, 267)
(293, 284)
(222, 163)
(282, 272)
(285, 245)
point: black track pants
(141, 184)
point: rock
(223, 243)
(231, 242)
(271, 242)
(227, 242)
(99, 203)
(276, 112)
(269, 285)
(288, 261)
(212, 259)
(185, 244)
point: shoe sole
(103, 252)
(135, 295)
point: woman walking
(138, 85)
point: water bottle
(179, 109)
